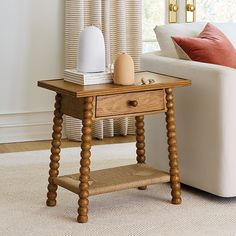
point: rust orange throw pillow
(211, 46)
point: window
(153, 12)
(216, 10)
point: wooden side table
(104, 101)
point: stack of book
(72, 75)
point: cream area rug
(23, 181)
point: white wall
(31, 49)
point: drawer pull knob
(133, 103)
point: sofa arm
(206, 127)
(183, 68)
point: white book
(85, 82)
(74, 72)
(72, 75)
(87, 78)
(89, 81)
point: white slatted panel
(120, 26)
(87, 13)
(108, 128)
(121, 23)
(106, 30)
(74, 24)
(97, 13)
(134, 29)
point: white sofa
(206, 120)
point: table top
(75, 90)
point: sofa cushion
(164, 33)
(211, 46)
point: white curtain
(120, 22)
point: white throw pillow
(180, 52)
(164, 33)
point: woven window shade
(120, 22)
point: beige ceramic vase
(124, 70)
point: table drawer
(130, 103)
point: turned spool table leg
(55, 152)
(140, 142)
(85, 160)
(173, 156)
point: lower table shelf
(115, 179)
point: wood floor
(42, 145)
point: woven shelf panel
(115, 179)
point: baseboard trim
(21, 127)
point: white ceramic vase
(91, 50)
